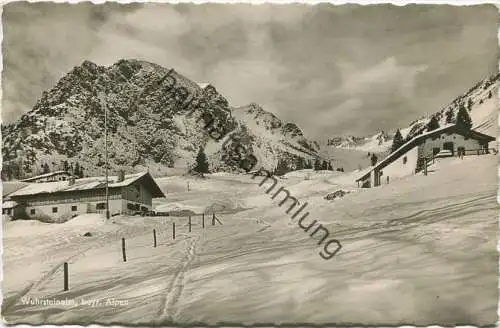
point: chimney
(71, 180)
(121, 176)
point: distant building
(11, 208)
(61, 200)
(409, 158)
(49, 177)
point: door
(460, 151)
(435, 150)
(449, 146)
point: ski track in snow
(176, 285)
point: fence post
(425, 165)
(190, 223)
(173, 230)
(123, 250)
(66, 276)
(154, 237)
(203, 220)
(213, 218)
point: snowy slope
(420, 251)
(272, 138)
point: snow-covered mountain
(376, 143)
(149, 125)
(481, 101)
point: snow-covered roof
(415, 140)
(9, 204)
(84, 184)
(46, 175)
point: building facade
(62, 200)
(410, 158)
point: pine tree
(469, 104)
(45, 168)
(317, 164)
(449, 116)
(308, 164)
(374, 159)
(330, 167)
(397, 142)
(281, 168)
(300, 164)
(76, 170)
(65, 166)
(433, 124)
(201, 162)
(490, 94)
(324, 165)
(463, 118)
(7, 172)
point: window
(405, 160)
(54, 209)
(100, 206)
(32, 211)
(64, 178)
(74, 208)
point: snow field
(421, 251)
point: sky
(331, 69)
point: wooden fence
(154, 244)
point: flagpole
(106, 152)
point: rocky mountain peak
(156, 119)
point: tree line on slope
(201, 165)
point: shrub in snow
(336, 194)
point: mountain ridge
(150, 125)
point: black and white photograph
(216, 164)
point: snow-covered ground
(420, 251)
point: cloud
(384, 75)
